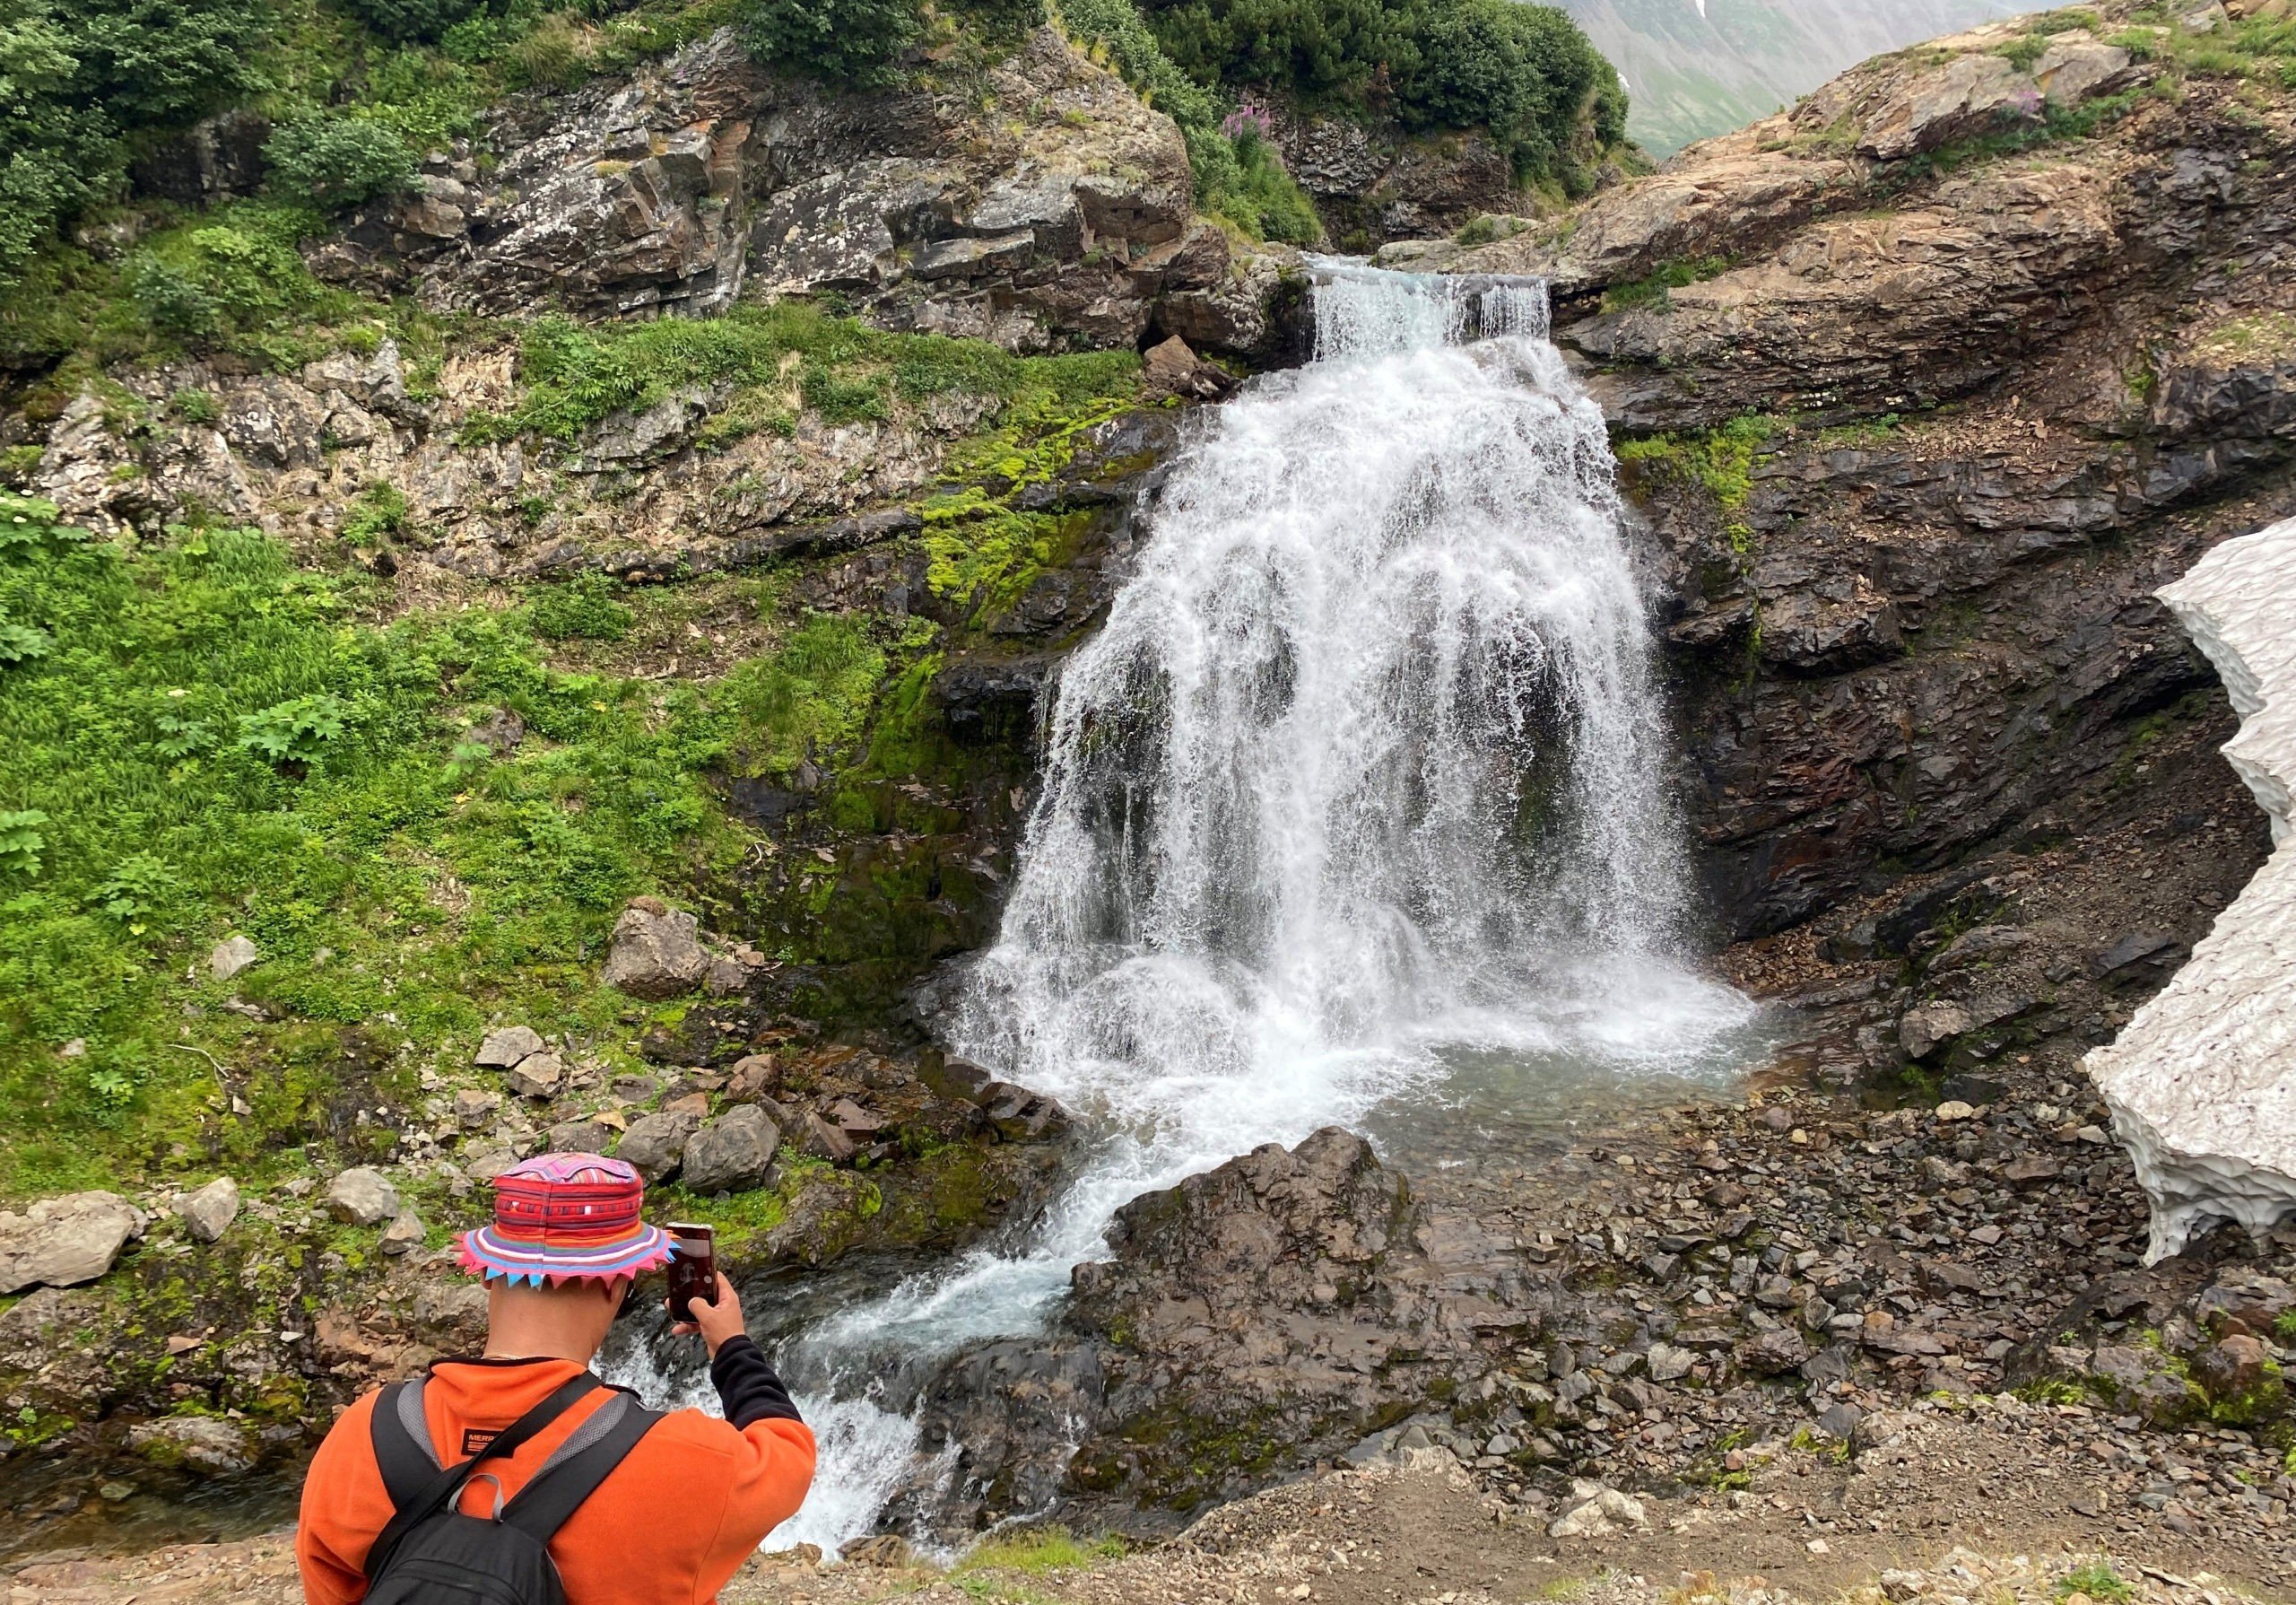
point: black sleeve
(746, 1386)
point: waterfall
(1364, 772)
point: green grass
(1039, 1551)
(1719, 461)
(2097, 1579)
(196, 738)
(778, 359)
(1654, 293)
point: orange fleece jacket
(677, 1518)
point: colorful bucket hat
(561, 1215)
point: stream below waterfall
(1355, 812)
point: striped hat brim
(486, 1253)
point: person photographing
(517, 1476)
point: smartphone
(693, 1267)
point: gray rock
(63, 1241)
(1594, 1511)
(505, 1048)
(452, 1313)
(474, 1107)
(655, 1143)
(207, 1445)
(362, 1197)
(537, 1075)
(1933, 1025)
(230, 955)
(578, 1137)
(405, 1232)
(1771, 1354)
(731, 1154)
(208, 1213)
(1669, 1363)
(820, 1140)
(657, 951)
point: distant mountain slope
(1698, 67)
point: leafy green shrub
(1004, 20)
(297, 731)
(21, 841)
(20, 644)
(2097, 1580)
(1266, 200)
(333, 161)
(379, 511)
(840, 41)
(583, 608)
(82, 75)
(238, 276)
(1524, 71)
(138, 885)
(413, 19)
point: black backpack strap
(403, 1451)
(577, 1467)
(425, 1487)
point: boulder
(1772, 1354)
(657, 951)
(451, 1314)
(537, 1075)
(505, 1048)
(1931, 1026)
(1669, 1363)
(1595, 1511)
(2202, 1082)
(1020, 1115)
(820, 1140)
(474, 1107)
(208, 1213)
(731, 1154)
(405, 1233)
(230, 955)
(655, 1143)
(754, 1075)
(588, 1135)
(63, 1241)
(362, 1197)
(207, 1445)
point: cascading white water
(1364, 772)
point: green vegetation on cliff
(1524, 71)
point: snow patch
(2202, 1082)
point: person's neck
(496, 1351)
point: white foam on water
(1365, 769)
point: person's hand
(716, 1318)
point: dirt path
(1949, 1505)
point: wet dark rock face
(1908, 593)
(1279, 1308)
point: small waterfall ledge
(2202, 1082)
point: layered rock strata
(2202, 1082)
